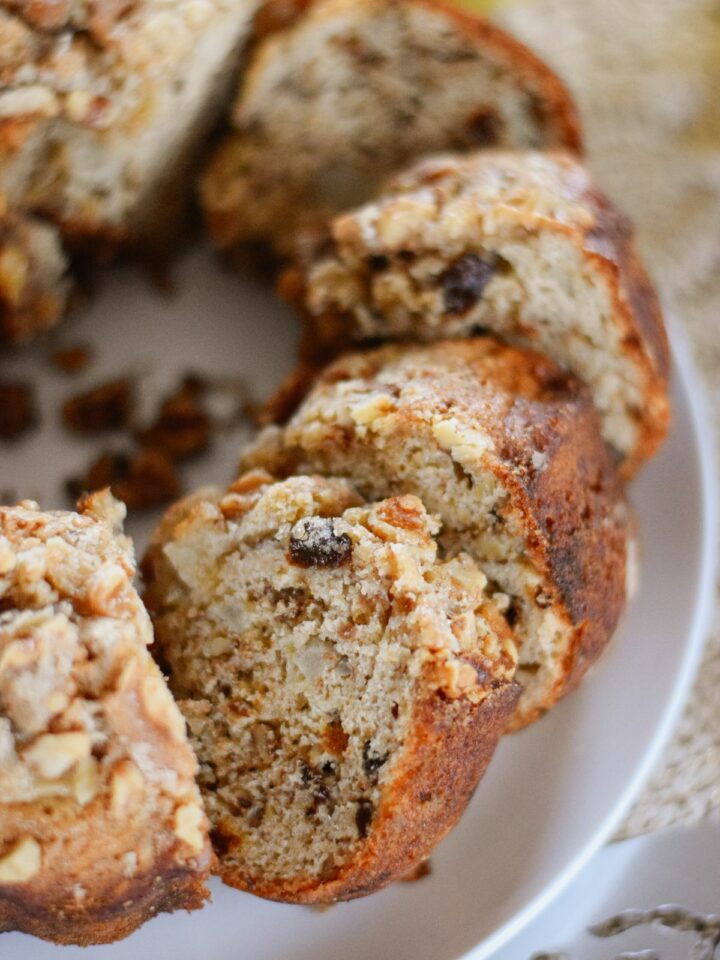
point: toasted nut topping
(22, 863)
(365, 413)
(160, 707)
(7, 557)
(189, 821)
(126, 784)
(104, 587)
(53, 754)
(86, 780)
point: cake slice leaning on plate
(101, 822)
(351, 91)
(505, 448)
(344, 687)
(520, 244)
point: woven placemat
(646, 76)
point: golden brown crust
(557, 106)
(636, 300)
(111, 911)
(452, 743)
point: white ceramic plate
(553, 793)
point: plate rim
(695, 390)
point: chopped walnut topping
(22, 863)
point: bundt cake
(353, 90)
(101, 823)
(505, 448)
(521, 244)
(104, 105)
(343, 686)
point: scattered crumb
(105, 407)
(17, 409)
(182, 426)
(72, 359)
(142, 480)
(423, 869)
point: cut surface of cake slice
(344, 687)
(351, 91)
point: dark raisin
(363, 817)
(395, 711)
(463, 283)
(377, 262)
(314, 543)
(222, 840)
(512, 614)
(328, 767)
(485, 127)
(372, 762)
(308, 775)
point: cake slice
(505, 448)
(33, 276)
(520, 244)
(101, 823)
(353, 90)
(103, 107)
(344, 687)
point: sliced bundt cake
(521, 244)
(104, 105)
(101, 823)
(344, 687)
(351, 91)
(505, 448)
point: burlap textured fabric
(646, 75)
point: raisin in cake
(522, 244)
(505, 448)
(351, 91)
(101, 823)
(344, 688)
(103, 107)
